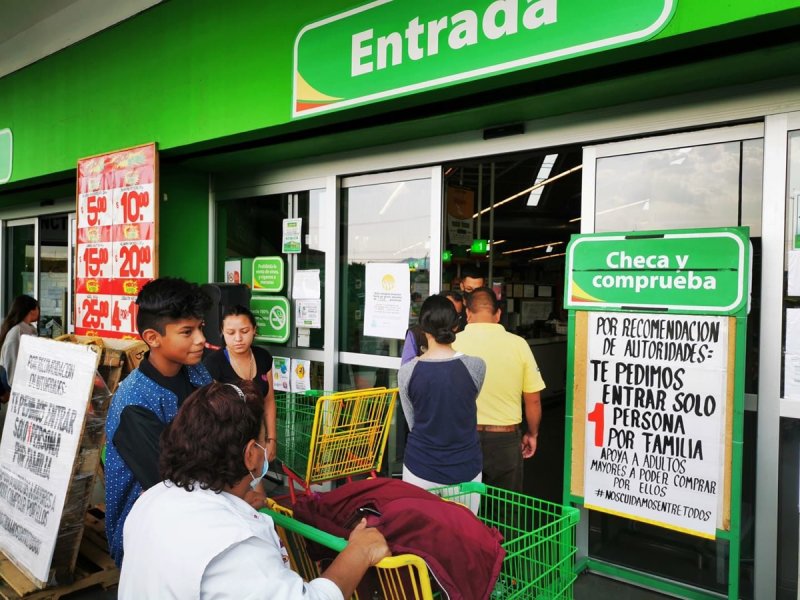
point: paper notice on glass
(306, 284)
(292, 229)
(308, 313)
(387, 300)
(791, 363)
(793, 283)
(301, 375)
(233, 271)
(793, 331)
(281, 379)
(791, 376)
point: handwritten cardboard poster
(387, 300)
(117, 214)
(52, 385)
(655, 406)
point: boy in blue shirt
(170, 321)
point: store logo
(387, 283)
(6, 154)
(388, 48)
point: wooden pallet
(93, 567)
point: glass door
(54, 280)
(252, 226)
(20, 241)
(387, 219)
(37, 262)
(711, 178)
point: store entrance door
(709, 178)
(37, 262)
(509, 218)
(20, 241)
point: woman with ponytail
(438, 391)
(19, 321)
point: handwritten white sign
(655, 405)
(52, 386)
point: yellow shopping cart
(538, 537)
(327, 436)
(401, 577)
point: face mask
(257, 480)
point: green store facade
(403, 131)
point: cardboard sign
(117, 215)
(656, 389)
(52, 385)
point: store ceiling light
(528, 190)
(550, 245)
(549, 256)
(544, 173)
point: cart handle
(326, 539)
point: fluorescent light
(548, 244)
(544, 173)
(528, 190)
(547, 257)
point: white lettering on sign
(666, 281)
(622, 260)
(502, 18)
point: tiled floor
(587, 587)
(595, 587)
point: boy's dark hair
(439, 318)
(482, 299)
(204, 445)
(237, 310)
(169, 299)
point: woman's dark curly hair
(205, 443)
(438, 317)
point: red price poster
(116, 243)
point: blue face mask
(257, 480)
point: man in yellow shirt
(512, 379)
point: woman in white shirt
(194, 536)
(19, 321)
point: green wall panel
(189, 71)
(183, 224)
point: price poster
(655, 403)
(117, 231)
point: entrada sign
(704, 271)
(390, 48)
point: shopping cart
(401, 577)
(538, 537)
(325, 436)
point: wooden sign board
(39, 450)
(653, 414)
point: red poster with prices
(116, 251)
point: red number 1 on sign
(598, 417)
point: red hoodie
(463, 554)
